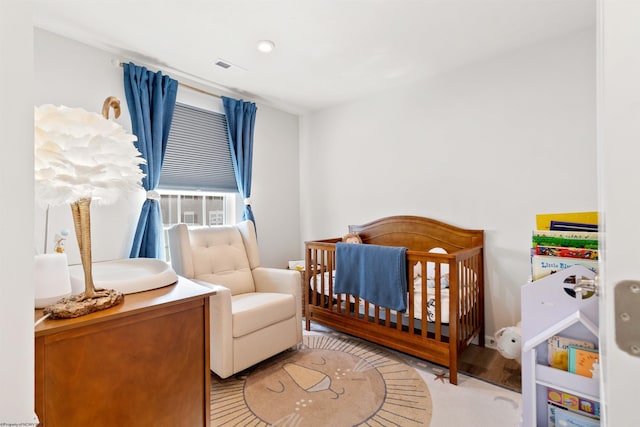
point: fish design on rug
(310, 380)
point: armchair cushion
(257, 310)
(221, 258)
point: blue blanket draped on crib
(376, 273)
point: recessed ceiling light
(265, 45)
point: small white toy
(509, 342)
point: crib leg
(453, 362)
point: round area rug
(329, 381)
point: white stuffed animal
(509, 341)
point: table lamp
(82, 156)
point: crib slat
(469, 285)
(472, 298)
(323, 279)
(313, 265)
(410, 301)
(424, 307)
(463, 306)
(438, 302)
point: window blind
(197, 155)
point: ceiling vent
(226, 65)
(220, 63)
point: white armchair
(257, 311)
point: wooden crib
(434, 327)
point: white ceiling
(327, 51)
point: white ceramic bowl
(128, 275)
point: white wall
(16, 216)
(486, 146)
(275, 194)
(77, 75)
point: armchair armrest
(212, 286)
(281, 281)
(220, 326)
(277, 280)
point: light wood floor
(488, 365)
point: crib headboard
(417, 233)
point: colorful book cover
(573, 402)
(542, 266)
(562, 251)
(564, 242)
(572, 226)
(558, 351)
(582, 360)
(589, 235)
(565, 418)
(543, 221)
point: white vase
(50, 278)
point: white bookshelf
(548, 310)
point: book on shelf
(562, 417)
(567, 252)
(572, 226)
(583, 361)
(543, 221)
(573, 402)
(542, 265)
(558, 350)
(589, 235)
(566, 242)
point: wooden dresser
(142, 363)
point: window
(197, 184)
(196, 207)
(189, 217)
(216, 217)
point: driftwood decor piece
(91, 299)
(68, 308)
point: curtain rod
(215, 95)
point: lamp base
(79, 305)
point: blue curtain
(151, 98)
(241, 118)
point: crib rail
(412, 332)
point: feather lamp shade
(79, 154)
